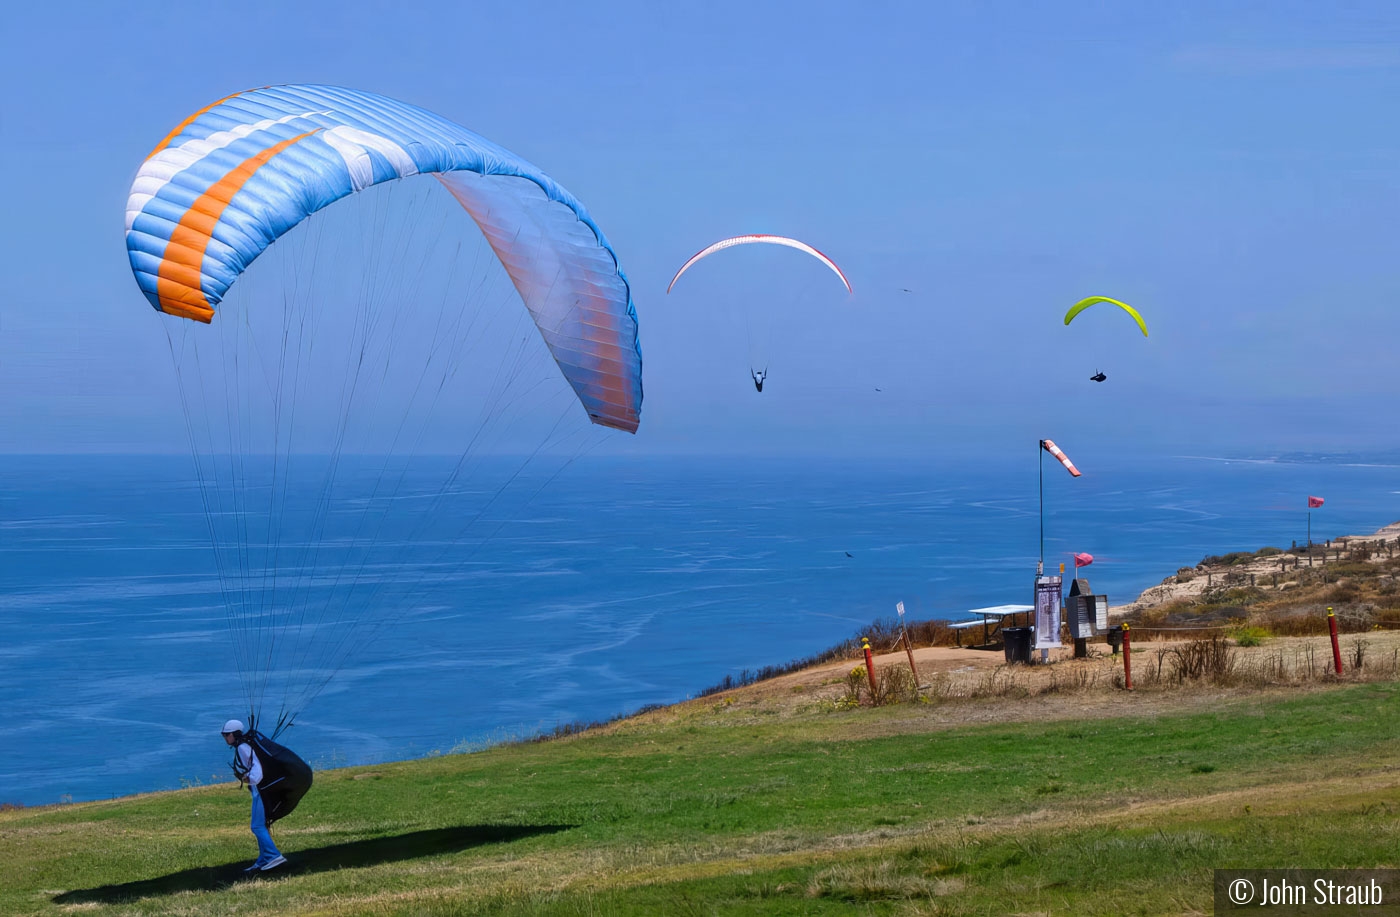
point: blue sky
(1230, 169)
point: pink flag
(1083, 560)
(1050, 447)
(1314, 502)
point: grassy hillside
(715, 807)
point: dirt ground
(965, 686)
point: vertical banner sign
(899, 606)
(1047, 612)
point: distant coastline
(1364, 459)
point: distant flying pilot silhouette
(1097, 377)
(759, 375)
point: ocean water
(620, 583)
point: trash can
(1115, 638)
(1017, 642)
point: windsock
(1050, 447)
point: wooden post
(1127, 659)
(908, 648)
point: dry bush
(1306, 660)
(1307, 621)
(1271, 669)
(1075, 679)
(1209, 659)
(1344, 592)
(894, 684)
(1357, 654)
(1385, 668)
(999, 682)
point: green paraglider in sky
(1086, 303)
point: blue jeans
(266, 849)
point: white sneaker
(254, 868)
(274, 862)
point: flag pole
(1309, 526)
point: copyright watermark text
(1308, 892)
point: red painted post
(1127, 659)
(1336, 648)
(869, 666)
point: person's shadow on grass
(316, 859)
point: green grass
(711, 812)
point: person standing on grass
(248, 769)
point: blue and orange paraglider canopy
(236, 175)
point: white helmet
(233, 726)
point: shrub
(1228, 560)
(1250, 636)
(1235, 595)
(856, 682)
(895, 684)
(1344, 592)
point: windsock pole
(1040, 451)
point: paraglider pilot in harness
(277, 779)
(759, 375)
(1098, 376)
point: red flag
(1083, 560)
(1314, 502)
(1050, 447)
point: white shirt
(250, 763)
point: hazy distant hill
(1385, 457)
